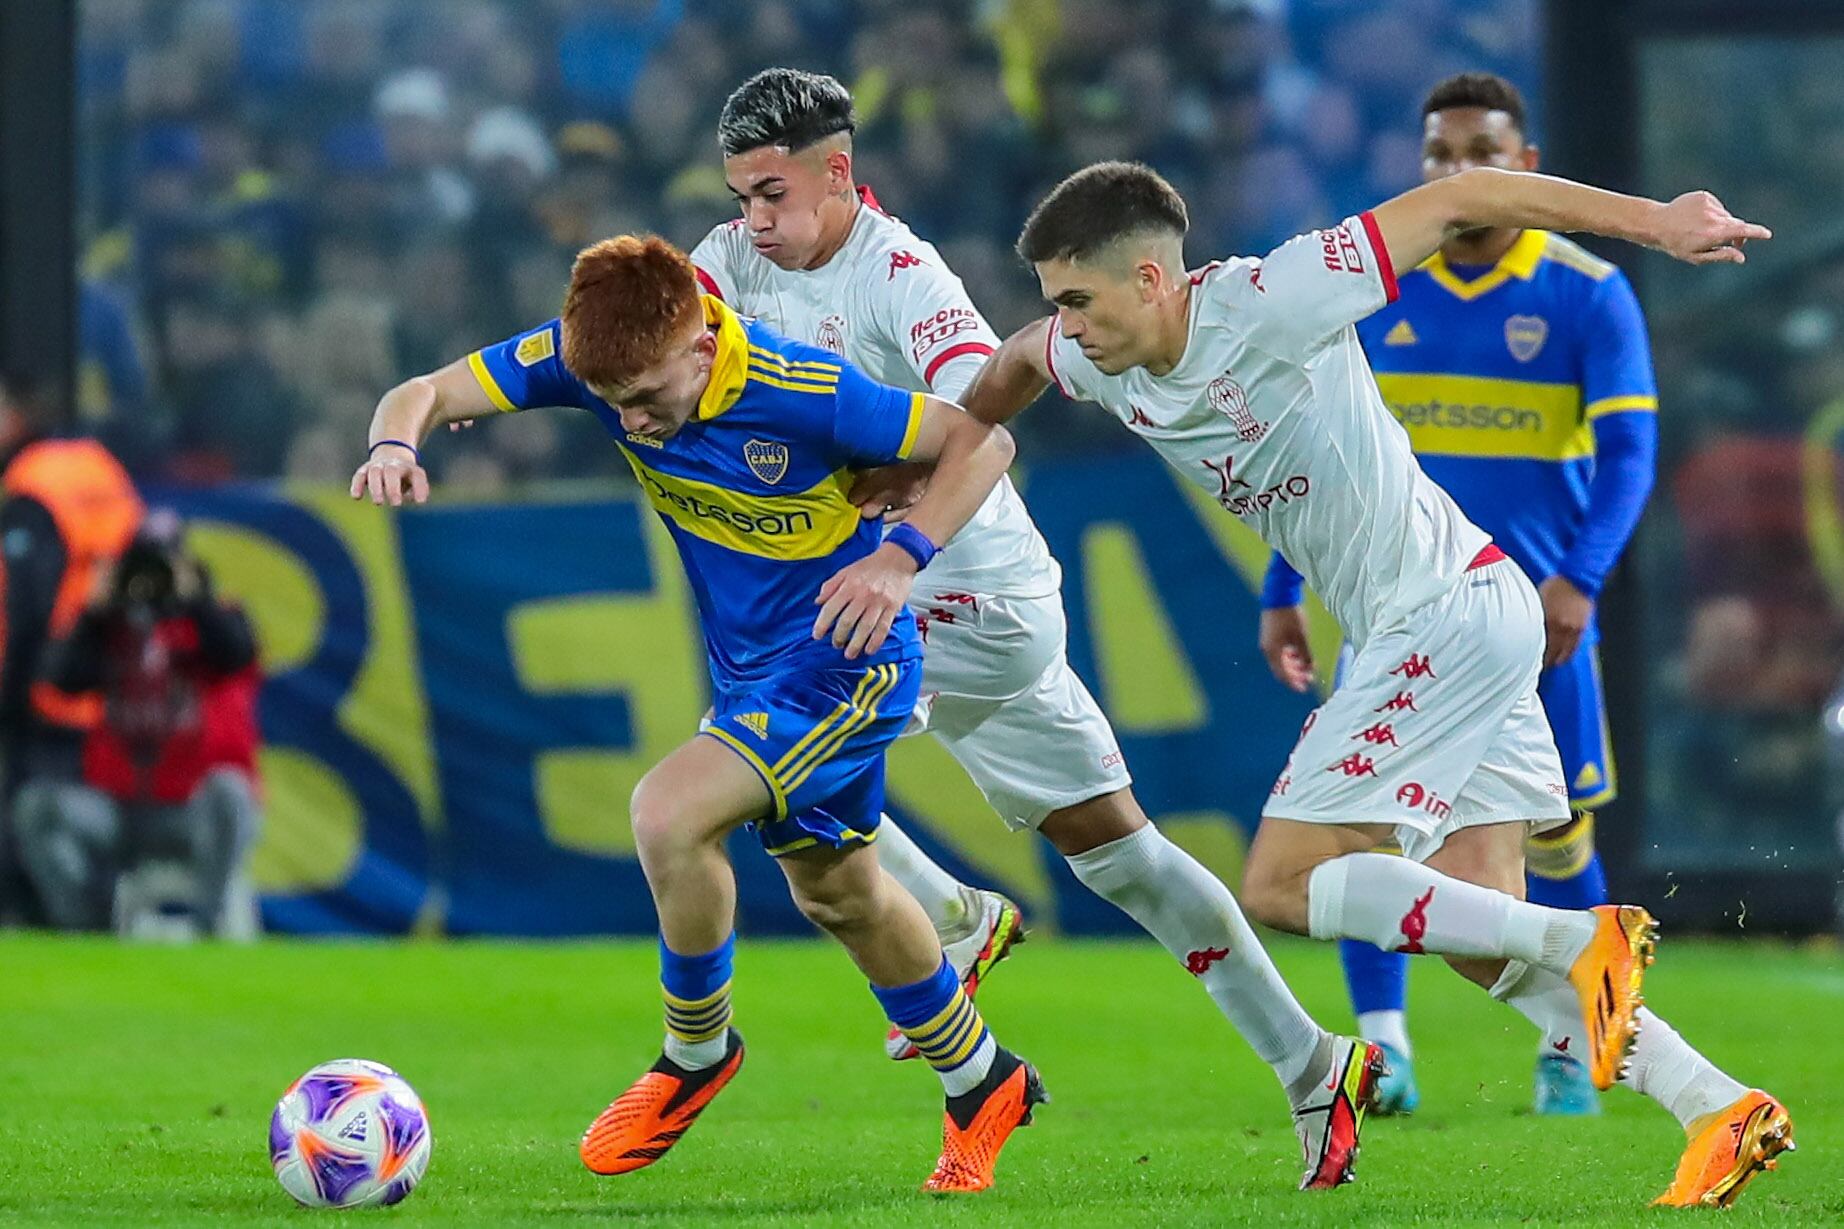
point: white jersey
(890, 306)
(1273, 410)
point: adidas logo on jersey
(1402, 335)
(755, 723)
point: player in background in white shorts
(1248, 378)
(813, 257)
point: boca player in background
(1519, 365)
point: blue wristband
(912, 542)
(400, 444)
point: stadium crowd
(290, 204)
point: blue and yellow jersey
(753, 489)
(1501, 376)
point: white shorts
(1437, 725)
(999, 693)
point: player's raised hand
(1697, 228)
(889, 491)
(860, 602)
(1284, 644)
(391, 472)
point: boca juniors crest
(1525, 336)
(769, 462)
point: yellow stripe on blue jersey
(753, 489)
(1499, 373)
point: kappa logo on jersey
(1403, 700)
(535, 349)
(947, 323)
(767, 461)
(1418, 797)
(1380, 733)
(755, 723)
(1342, 254)
(1525, 335)
(1198, 963)
(1228, 399)
(960, 599)
(1414, 924)
(1281, 786)
(1355, 765)
(831, 334)
(1415, 666)
(900, 261)
(1139, 419)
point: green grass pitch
(136, 1084)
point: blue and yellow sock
(1562, 869)
(938, 1017)
(697, 992)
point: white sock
(967, 1076)
(696, 1055)
(944, 898)
(1663, 1066)
(1547, 1001)
(1387, 1028)
(1404, 906)
(1667, 1070)
(1190, 912)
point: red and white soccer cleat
(1000, 929)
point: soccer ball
(348, 1134)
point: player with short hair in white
(1248, 378)
(815, 258)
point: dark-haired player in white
(1248, 378)
(813, 257)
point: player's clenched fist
(860, 602)
(391, 472)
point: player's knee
(1274, 896)
(834, 907)
(658, 822)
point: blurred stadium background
(228, 225)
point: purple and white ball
(348, 1134)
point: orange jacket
(95, 507)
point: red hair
(630, 298)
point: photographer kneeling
(156, 835)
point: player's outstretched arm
(1011, 378)
(404, 418)
(1694, 227)
(860, 602)
(1014, 376)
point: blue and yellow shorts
(817, 739)
(1577, 712)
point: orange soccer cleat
(1607, 976)
(978, 1123)
(647, 1120)
(1727, 1149)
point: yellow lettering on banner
(280, 596)
(1468, 416)
(1147, 683)
(314, 832)
(386, 709)
(645, 646)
